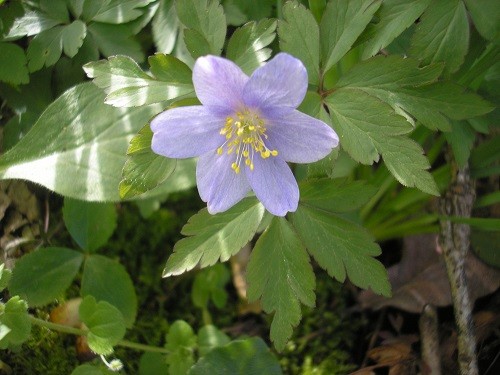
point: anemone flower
(245, 132)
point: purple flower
(245, 132)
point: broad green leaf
(13, 62)
(165, 26)
(119, 11)
(153, 364)
(247, 45)
(255, 9)
(105, 324)
(90, 370)
(394, 17)
(77, 147)
(214, 237)
(240, 357)
(408, 88)
(107, 280)
(196, 43)
(115, 40)
(486, 245)
(29, 24)
(299, 36)
(442, 35)
(461, 139)
(342, 23)
(44, 274)
(205, 17)
(486, 17)
(72, 37)
(91, 224)
(181, 342)
(335, 195)
(317, 8)
(279, 273)
(144, 170)
(209, 338)
(5, 276)
(210, 283)
(56, 9)
(369, 127)
(126, 85)
(15, 324)
(342, 248)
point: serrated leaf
(342, 23)
(247, 45)
(107, 280)
(335, 195)
(165, 26)
(394, 17)
(126, 85)
(13, 64)
(43, 275)
(15, 323)
(461, 139)
(73, 36)
(143, 170)
(402, 84)
(486, 17)
(77, 147)
(181, 342)
(119, 11)
(342, 248)
(299, 36)
(91, 224)
(105, 324)
(249, 356)
(209, 338)
(115, 40)
(29, 24)
(206, 17)
(210, 283)
(5, 276)
(442, 35)
(279, 273)
(368, 127)
(196, 43)
(214, 237)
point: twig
(429, 339)
(454, 241)
(371, 344)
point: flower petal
(281, 84)
(186, 132)
(218, 184)
(219, 83)
(300, 138)
(274, 185)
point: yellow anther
(238, 124)
(240, 131)
(251, 128)
(245, 153)
(248, 162)
(251, 166)
(234, 166)
(229, 135)
(274, 153)
(267, 153)
(219, 151)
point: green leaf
(91, 224)
(181, 342)
(342, 248)
(153, 364)
(240, 357)
(247, 45)
(72, 37)
(342, 23)
(486, 245)
(486, 17)
(336, 195)
(77, 147)
(107, 280)
(442, 35)
(214, 237)
(210, 283)
(461, 139)
(115, 40)
(13, 62)
(205, 17)
(209, 338)
(394, 17)
(165, 26)
(105, 324)
(89, 370)
(196, 44)
(44, 274)
(5, 276)
(119, 11)
(406, 87)
(29, 24)
(143, 170)
(279, 273)
(126, 85)
(255, 9)
(15, 323)
(299, 36)
(369, 127)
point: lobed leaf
(181, 342)
(13, 62)
(279, 273)
(486, 17)
(165, 26)
(15, 323)
(214, 237)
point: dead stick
(429, 339)
(454, 241)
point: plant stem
(81, 332)
(454, 240)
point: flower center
(245, 136)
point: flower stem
(81, 332)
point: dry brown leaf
(420, 278)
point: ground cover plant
(302, 174)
